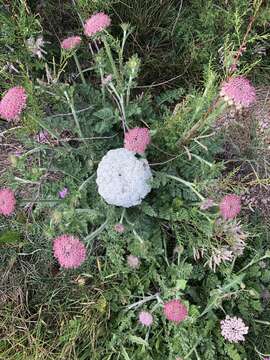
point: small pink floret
(137, 140)
(7, 202)
(42, 137)
(145, 318)
(96, 23)
(175, 311)
(71, 42)
(13, 103)
(133, 261)
(69, 251)
(119, 228)
(238, 91)
(233, 329)
(230, 206)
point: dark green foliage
(92, 312)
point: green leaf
(104, 114)
(138, 340)
(125, 354)
(181, 284)
(232, 352)
(10, 237)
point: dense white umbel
(122, 179)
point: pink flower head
(119, 228)
(7, 201)
(71, 42)
(42, 137)
(133, 261)
(145, 318)
(239, 91)
(230, 206)
(137, 140)
(63, 193)
(175, 311)
(69, 251)
(13, 103)
(233, 329)
(96, 23)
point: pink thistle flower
(43, 137)
(175, 311)
(7, 201)
(63, 193)
(69, 251)
(239, 91)
(71, 42)
(233, 329)
(230, 206)
(133, 261)
(145, 318)
(137, 140)
(13, 103)
(119, 228)
(96, 23)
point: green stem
(121, 106)
(70, 103)
(188, 184)
(109, 53)
(125, 36)
(254, 261)
(96, 232)
(128, 89)
(122, 215)
(102, 84)
(138, 236)
(79, 68)
(81, 187)
(262, 322)
(192, 350)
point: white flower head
(122, 179)
(35, 46)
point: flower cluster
(233, 329)
(175, 311)
(119, 228)
(238, 91)
(69, 251)
(96, 24)
(122, 179)
(230, 206)
(137, 140)
(145, 318)
(35, 46)
(71, 42)
(13, 103)
(7, 201)
(133, 261)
